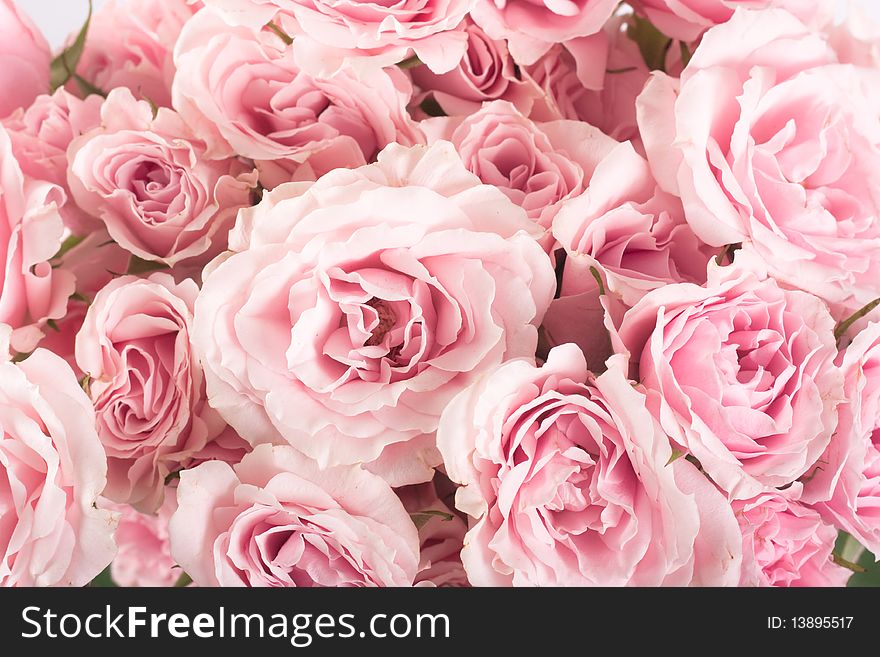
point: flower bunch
(471, 292)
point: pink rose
(687, 19)
(24, 59)
(774, 150)
(277, 519)
(486, 72)
(441, 534)
(741, 375)
(630, 234)
(327, 34)
(540, 167)
(786, 544)
(564, 82)
(144, 556)
(626, 227)
(243, 94)
(846, 483)
(564, 93)
(148, 180)
(31, 231)
(131, 44)
(94, 261)
(569, 482)
(60, 336)
(531, 27)
(40, 137)
(588, 318)
(146, 384)
(612, 107)
(52, 470)
(352, 309)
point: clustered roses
(440, 293)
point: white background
(58, 18)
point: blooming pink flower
(352, 309)
(146, 384)
(786, 544)
(741, 374)
(540, 167)
(845, 485)
(532, 27)
(243, 94)
(31, 232)
(570, 78)
(277, 519)
(486, 72)
(625, 226)
(131, 44)
(588, 317)
(24, 59)
(94, 261)
(687, 19)
(774, 150)
(612, 106)
(327, 34)
(40, 137)
(441, 535)
(148, 180)
(144, 556)
(570, 482)
(622, 229)
(52, 470)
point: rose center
(150, 178)
(387, 319)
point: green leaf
(652, 43)
(431, 107)
(104, 580)
(422, 518)
(676, 454)
(848, 547)
(172, 476)
(52, 324)
(184, 581)
(867, 571)
(87, 87)
(85, 382)
(870, 575)
(141, 266)
(63, 67)
(79, 296)
(68, 245)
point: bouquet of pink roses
(440, 293)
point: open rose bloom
(440, 293)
